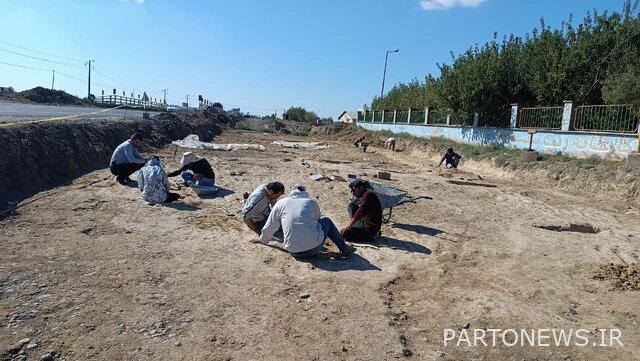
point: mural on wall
(555, 144)
(550, 142)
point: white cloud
(430, 5)
(135, 1)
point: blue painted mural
(577, 144)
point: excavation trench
(40, 156)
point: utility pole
(164, 91)
(88, 63)
(188, 100)
(53, 79)
(386, 56)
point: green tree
(595, 62)
(300, 114)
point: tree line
(595, 62)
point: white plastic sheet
(304, 145)
(193, 141)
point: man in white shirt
(303, 229)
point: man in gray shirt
(126, 159)
(257, 205)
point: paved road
(14, 112)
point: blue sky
(260, 55)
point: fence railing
(461, 118)
(540, 117)
(612, 118)
(438, 116)
(605, 118)
(116, 100)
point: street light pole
(384, 75)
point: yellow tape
(59, 118)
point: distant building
(348, 117)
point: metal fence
(417, 116)
(540, 117)
(497, 119)
(388, 116)
(461, 118)
(438, 116)
(402, 116)
(377, 116)
(611, 118)
(606, 118)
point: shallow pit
(571, 227)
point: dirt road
(87, 271)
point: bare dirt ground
(87, 271)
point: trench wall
(39, 156)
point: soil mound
(624, 277)
(39, 156)
(42, 95)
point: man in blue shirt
(126, 159)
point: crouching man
(257, 205)
(365, 212)
(304, 231)
(126, 159)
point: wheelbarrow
(389, 197)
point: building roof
(350, 113)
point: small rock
(344, 348)
(24, 341)
(465, 325)
(47, 357)
(304, 295)
(572, 311)
(32, 345)
(177, 344)
(407, 353)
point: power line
(118, 78)
(112, 78)
(39, 52)
(35, 57)
(25, 67)
(69, 76)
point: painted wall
(577, 144)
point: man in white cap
(202, 175)
(303, 228)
